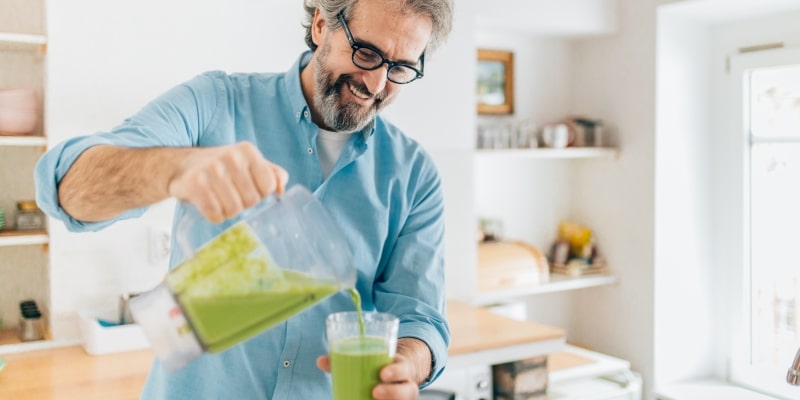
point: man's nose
(376, 80)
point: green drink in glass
(357, 356)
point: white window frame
(736, 160)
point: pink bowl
(18, 114)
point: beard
(338, 115)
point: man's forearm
(420, 355)
(106, 181)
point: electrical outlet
(158, 244)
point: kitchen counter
(478, 337)
(69, 373)
(481, 337)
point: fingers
(393, 391)
(397, 382)
(324, 363)
(224, 181)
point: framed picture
(495, 86)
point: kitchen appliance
(573, 374)
(469, 383)
(244, 276)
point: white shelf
(37, 345)
(23, 141)
(22, 38)
(545, 153)
(557, 283)
(23, 239)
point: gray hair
(440, 13)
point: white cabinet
(24, 259)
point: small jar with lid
(29, 217)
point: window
(768, 296)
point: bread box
(510, 264)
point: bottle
(29, 217)
(244, 276)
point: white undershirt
(329, 148)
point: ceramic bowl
(17, 111)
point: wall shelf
(23, 141)
(23, 42)
(22, 38)
(17, 238)
(557, 283)
(549, 153)
(10, 343)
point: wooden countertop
(478, 329)
(69, 373)
(478, 336)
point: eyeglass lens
(368, 59)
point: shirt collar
(294, 89)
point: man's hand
(402, 378)
(224, 181)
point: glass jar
(29, 217)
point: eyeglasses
(369, 58)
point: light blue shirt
(384, 192)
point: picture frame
(495, 82)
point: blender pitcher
(244, 276)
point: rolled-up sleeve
(174, 119)
(412, 284)
(49, 171)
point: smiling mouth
(358, 93)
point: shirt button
(310, 150)
(286, 364)
(297, 114)
(305, 114)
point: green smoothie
(223, 320)
(356, 297)
(361, 358)
(232, 290)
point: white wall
(684, 281)
(107, 59)
(614, 79)
(545, 17)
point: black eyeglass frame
(355, 45)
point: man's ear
(317, 27)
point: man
(224, 142)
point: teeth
(358, 93)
